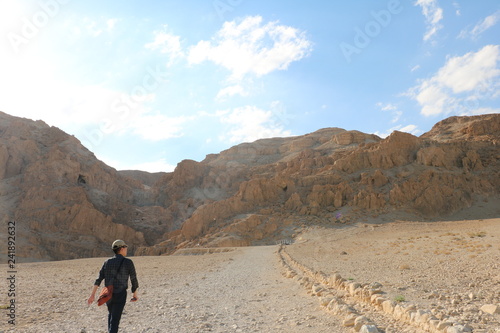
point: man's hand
(92, 295)
(135, 298)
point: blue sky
(147, 84)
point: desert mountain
(68, 204)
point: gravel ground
(237, 291)
(451, 268)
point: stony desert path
(238, 291)
(449, 268)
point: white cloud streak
(249, 123)
(157, 166)
(396, 114)
(480, 111)
(159, 127)
(166, 43)
(460, 83)
(457, 8)
(231, 91)
(433, 16)
(412, 129)
(160, 165)
(111, 23)
(252, 47)
(481, 26)
(88, 111)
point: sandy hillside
(449, 268)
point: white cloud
(112, 23)
(482, 26)
(393, 109)
(32, 91)
(33, 85)
(250, 123)
(414, 68)
(432, 98)
(166, 43)
(231, 91)
(30, 88)
(479, 111)
(158, 127)
(457, 8)
(92, 27)
(433, 15)
(160, 165)
(10, 13)
(461, 80)
(467, 72)
(397, 116)
(384, 135)
(95, 28)
(157, 166)
(412, 129)
(386, 107)
(252, 47)
(76, 30)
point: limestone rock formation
(68, 204)
(435, 175)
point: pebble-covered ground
(451, 268)
(237, 291)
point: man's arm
(133, 280)
(92, 295)
(96, 284)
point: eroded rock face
(478, 128)
(66, 203)
(69, 205)
(427, 177)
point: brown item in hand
(105, 295)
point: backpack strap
(114, 277)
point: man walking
(116, 271)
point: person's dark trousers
(115, 309)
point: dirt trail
(450, 268)
(238, 291)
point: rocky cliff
(68, 204)
(260, 192)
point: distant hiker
(122, 268)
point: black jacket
(120, 283)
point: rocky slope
(260, 192)
(68, 204)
